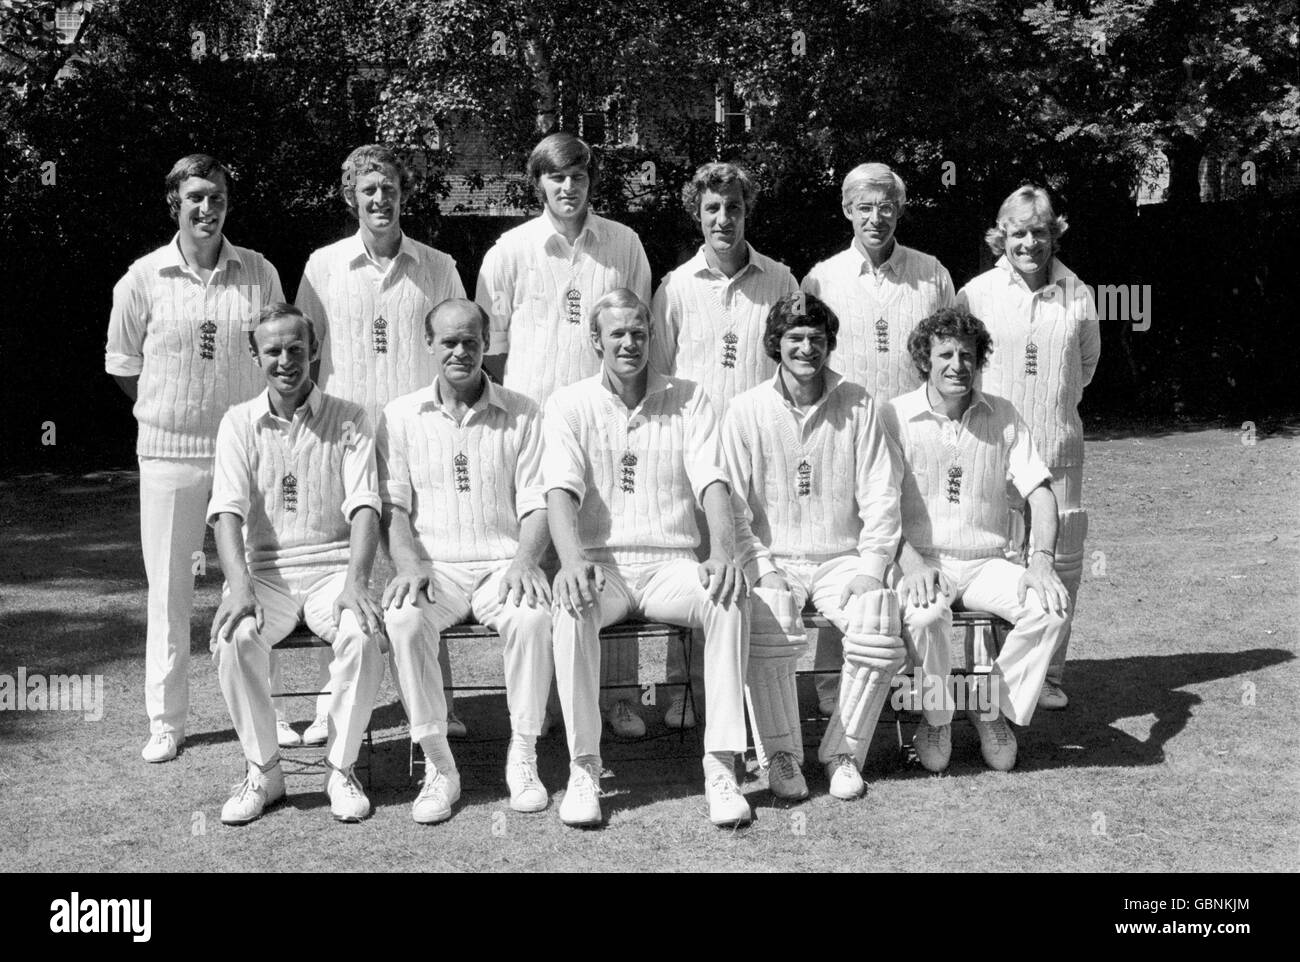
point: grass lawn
(1180, 750)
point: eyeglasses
(886, 209)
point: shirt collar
(1057, 274)
(832, 380)
(654, 384)
(175, 259)
(699, 264)
(894, 263)
(356, 248)
(916, 404)
(593, 225)
(313, 403)
(432, 396)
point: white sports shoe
(1052, 697)
(527, 793)
(623, 721)
(846, 780)
(253, 795)
(162, 747)
(679, 714)
(784, 778)
(318, 732)
(727, 806)
(581, 802)
(438, 793)
(933, 745)
(284, 734)
(348, 803)
(997, 741)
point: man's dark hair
(798, 310)
(949, 322)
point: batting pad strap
(1071, 531)
(776, 611)
(873, 613)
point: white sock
(523, 748)
(716, 763)
(438, 754)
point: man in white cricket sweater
(709, 316)
(961, 448)
(880, 290)
(628, 455)
(176, 346)
(819, 477)
(369, 295)
(1044, 321)
(465, 519)
(295, 509)
(538, 282)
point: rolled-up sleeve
(390, 459)
(564, 465)
(1089, 334)
(360, 476)
(1025, 469)
(879, 468)
(702, 452)
(530, 489)
(127, 325)
(232, 474)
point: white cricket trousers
(459, 592)
(243, 663)
(985, 584)
(173, 515)
(666, 591)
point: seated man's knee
(405, 624)
(918, 618)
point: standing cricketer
(807, 453)
(177, 348)
(880, 290)
(628, 455)
(295, 508)
(709, 315)
(1044, 322)
(539, 282)
(961, 449)
(465, 518)
(369, 294)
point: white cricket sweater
(371, 321)
(709, 328)
(815, 486)
(878, 310)
(1044, 382)
(638, 475)
(296, 484)
(524, 283)
(188, 342)
(955, 473)
(463, 508)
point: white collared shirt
(187, 339)
(709, 327)
(878, 308)
(1044, 382)
(466, 484)
(525, 283)
(638, 475)
(295, 483)
(815, 485)
(370, 319)
(955, 473)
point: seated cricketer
(960, 450)
(295, 510)
(465, 519)
(808, 455)
(628, 456)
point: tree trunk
(1184, 155)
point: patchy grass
(1180, 750)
